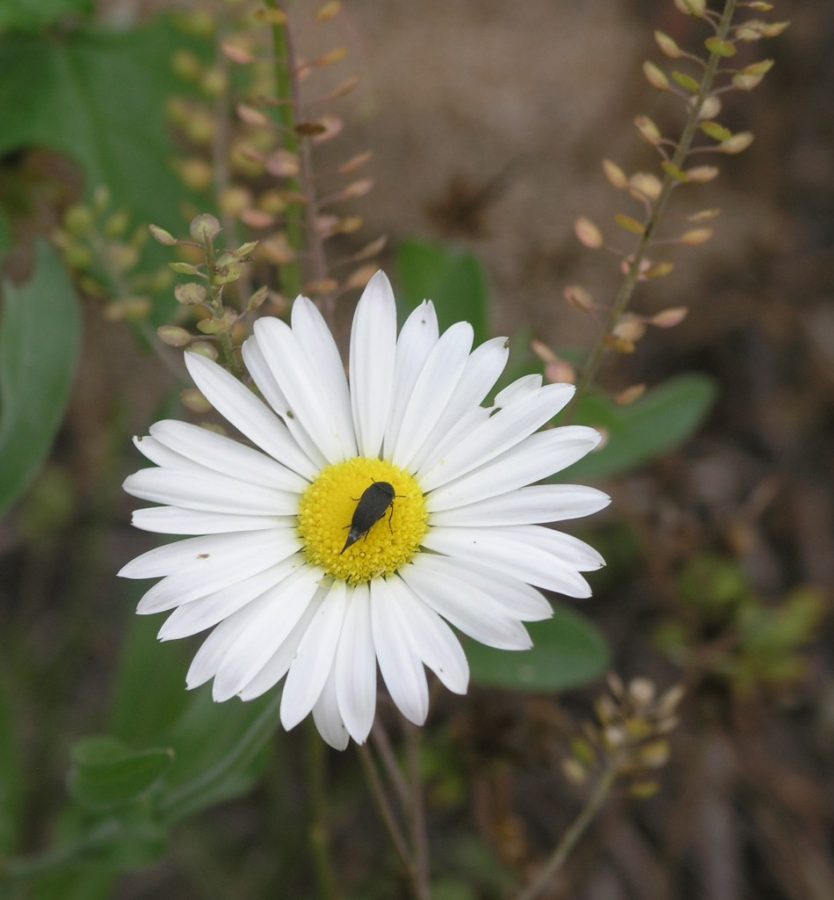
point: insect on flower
(372, 506)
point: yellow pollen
(327, 509)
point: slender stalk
(224, 339)
(569, 840)
(319, 826)
(382, 743)
(285, 113)
(626, 289)
(419, 834)
(386, 813)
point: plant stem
(419, 835)
(216, 303)
(626, 289)
(386, 813)
(319, 830)
(572, 835)
(285, 112)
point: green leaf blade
(40, 334)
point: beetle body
(372, 506)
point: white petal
(297, 376)
(322, 356)
(482, 370)
(434, 386)
(189, 554)
(457, 432)
(249, 415)
(399, 663)
(537, 457)
(417, 337)
(224, 455)
(162, 456)
(183, 587)
(265, 381)
(499, 550)
(209, 491)
(467, 607)
(373, 340)
(279, 663)
(274, 615)
(327, 717)
(498, 434)
(518, 390)
(527, 506)
(356, 666)
(518, 599)
(314, 658)
(215, 646)
(564, 547)
(434, 642)
(194, 617)
(173, 520)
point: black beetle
(372, 506)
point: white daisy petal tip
(459, 542)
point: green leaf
(660, 421)
(568, 651)
(454, 279)
(106, 773)
(39, 342)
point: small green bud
(203, 348)
(629, 223)
(720, 48)
(226, 270)
(79, 220)
(716, 131)
(257, 299)
(161, 236)
(190, 294)
(674, 171)
(687, 82)
(204, 228)
(117, 224)
(212, 326)
(691, 7)
(184, 268)
(655, 76)
(244, 251)
(192, 399)
(173, 335)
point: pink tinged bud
(355, 162)
(588, 233)
(204, 228)
(696, 237)
(738, 143)
(560, 372)
(190, 294)
(629, 328)
(577, 296)
(703, 215)
(251, 116)
(359, 277)
(544, 353)
(331, 57)
(614, 174)
(644, 184)
(236, 53)
(321, 287)
(667, 46)
(648, 130)
(701, 174)
(669, 318)
(256, 218)
(161, 236)
(283, 164)
(655, 76)
(630, 394)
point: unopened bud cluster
(104, 249)
(629, 737)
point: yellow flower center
(329, 508)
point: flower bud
(738, 143)
(630, 394)
(614, 174)
(655, 76)
(577, 296)
(203, 348)
(173, 335)
(630, 224)
(648, 130)
(701, 174)
(204, 228)
(669, 318)
(588, 233)
(667, 46)
(328, 11)
(646, 185)
(192, 399)
(721, 48)
(696, 237)
(190, 294)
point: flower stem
(626, 289)
(419, 835)
(572, 835)
(285, 112)
(319, 826)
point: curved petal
(226, 456)
(327, 717)
(531, 505)
(314, 658)
(434, 642)
(265, 382)
(173, 520)
(564, 547)
(518, 390)
(482, 370)
(401, 667)
(274, 615)
(238, 405)
(434, 386)
(417, 337)
(501, 432)
(298, 379)
(210, 492)
(205, 612)
(471, 610)
(537, 457)
(497, 549)
(356, 666)
(373, 341)
(160, 455)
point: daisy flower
(365, 517)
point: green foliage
(26, 15)
(106, 773)
(11, 780)
(659, 422)
(568, 651)
(454, 279)
(39, 342)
